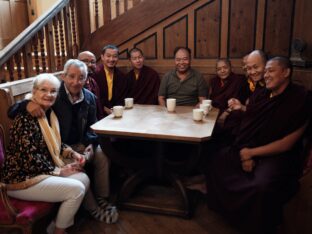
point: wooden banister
(17, 43)
(44, 46)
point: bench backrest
(10, 93)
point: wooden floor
(132, 222)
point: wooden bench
(10, 93)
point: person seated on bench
(89, 59)
(33, 169)
(184, 83)
(250, 180)
(76, 109)
(112, 82)
(143, 80)
(226, 85)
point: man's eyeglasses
(87, 62)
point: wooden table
(153, 122)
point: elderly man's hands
(35, 110)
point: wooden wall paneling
(149, 46)
(191, 32)
(13, 19)
(302, 25)
(278, 27)
(242, 24)
(224, 28)
(5, 20)
(175, 34)
(19, 14)
(260, 24)
(107, 11)
(123, 54)
(126, 27)
(207, 30)
(84, 22)
(160, 43)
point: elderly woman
(34, 169)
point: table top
(155, 122)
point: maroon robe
(92, 86)
(253, 201)
(235, 86)
(226, 133)
(120, 87)
(145, 89)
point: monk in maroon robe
(226, 85)
(112, 82)
(143, 81)
(249, 181)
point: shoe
(109, 215)
(103, 203)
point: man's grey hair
(113, 47)
(77, 63)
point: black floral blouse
(27, 155)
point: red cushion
(28, 211)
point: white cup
(205, 108)
(207, 101)
(118, 111)
(198, 114)
(171, 104)
(128, 103)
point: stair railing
(44, 46)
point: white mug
(205, 108)
(207, 101)
(171, 104)
(198, 114)
(128, 102)
(118, 111)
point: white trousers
(69, 191)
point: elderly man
(250, 180)
(184, 83)
(255, 64)
(111, 81)
(75, 108)
(143, 81)
(89, 59)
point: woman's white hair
(46, 77)
(42, 78)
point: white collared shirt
(81, 96)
